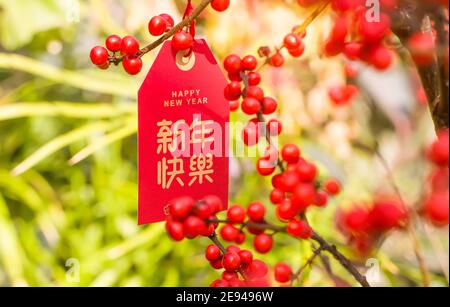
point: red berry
(332, 187)
(289, 181)
(438, 152)
(220, 5)
(175, 230)
(212, 252)
(340, 29)
(276, 196)
(233, 249)
(236, 214)
(234, 105)
(380, 57)
(129, 45)
(216, 264)
(250, 134)
(277, 60)
(290, 153)
(228, 276)
(246, 257)
(256, 211)
(249, 63)
(285, 210)
(292, 41)
(240, 239)
(385, 216)
(182, 41)
(298, 52)
(169, 20)
(274, 127)
(255, 92)
(234, 89)
(113, 43)
(282, 272)
(333, 47)
(250, 106)
(321, 199)
(157, 25)
(194, 226)
(256, 269)
(299, 229)
(357, 220)
(422, 48)
(353, 50)
(351, 71)
(254, 78)
(436, 208)
(180, 208)
(229, 233)
(235, 77)
(203, 211)
(269, 105)
(232, 64)
(303, 196)
(265, 166)
(214, 202)
(231, 262)
(219, 283)
(263, 243)
(374, 32)
(306, 171)
(99, 55)
(132, 64)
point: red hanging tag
(183, 136)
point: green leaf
(64, 109)
(98, 81)
(104, 141)
(60, 142)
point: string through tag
(191, 27)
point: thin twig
(223, 250)
(418, 252)
(308, 263)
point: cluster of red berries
(357, 37)
(436, 204)
(128, 47)
(237, 216)
(188, 218)
(297, 188)
(342, 95)
(365, 224)
(240, 269)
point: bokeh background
(68, 181)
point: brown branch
(185, 22)
(323, 245)
(408, 19)
(223, 250)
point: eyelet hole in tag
(185, 60)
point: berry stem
(185, 22)
(223, 250)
